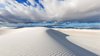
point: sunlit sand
(40, 41)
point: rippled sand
(39, 41)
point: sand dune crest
(39, 42)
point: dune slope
(88, 39)
(39, 42)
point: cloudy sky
(47, 10)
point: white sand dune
(39, 41)
(88, 39)
(5, 31)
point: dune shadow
(61, 39)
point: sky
(22, 11)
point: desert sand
(40, 41)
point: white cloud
(73, 9)
(54, 10)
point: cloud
(59, 10)
(73, 9)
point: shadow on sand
(61, 39)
